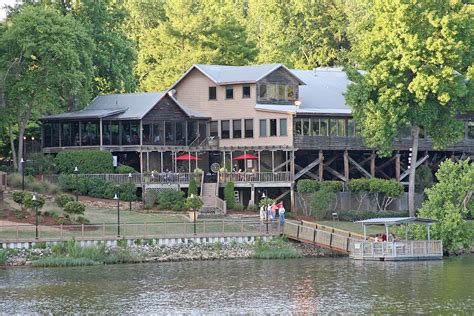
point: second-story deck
(257, 179)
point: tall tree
(49, 60)
(417, 58)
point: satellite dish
(215, 167)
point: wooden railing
(402, 248)
(255, 177)
(221, 205)
(221, 228)
(137, 178)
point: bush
(123, 169)
(193, 203)
(63, 262)
(423, 178)
(75, 207)
(229, 195)
(128, 192)
(265, 201)
(171, 199)
(238, 207)
(87, 161)
(193, 189)
(62, 199)
(252, 208)
(353, 216)
(42, 164)
(3, 256)
(82, 220)
(31, 204)
(388, 189)
(95, 187)
(307, 186)
(18, 198)
(331, 186)
(321, 201)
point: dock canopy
(397, 221)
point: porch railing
(402, 248)
(283, 176)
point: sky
(3, 12)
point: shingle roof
(324, 91)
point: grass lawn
(353, 227)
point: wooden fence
(255, 177)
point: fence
(398, 249)
(207, 228)
(256, 177)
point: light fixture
(263, 195)
(115, 197)
(34, 197)
(76, 169)
(297, 102)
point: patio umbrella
(246, 156)
(187, 157)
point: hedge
(171, 199)
(362, 215)
(97, 187)
(123, 169)
(229, 195)
(87, 161)
(75, 207)
(311, 186)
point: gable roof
(324, 91)
(222, 75)
(126, 106)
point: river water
(322, 285)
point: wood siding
(165, 109)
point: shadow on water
(299, 285)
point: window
(306, 127)
(297, 127)
(283, 127)
(281, 92)
(212, 93)
(291, 92)
(273, 127)
(332, 127)
(214, 129)
(315, 127)
(245, 92)
(262, 91)
(229, 92)
(341, 127)
(237, 129)
(225, 129)
(146, 131)
(323, 127)
(271, 91)
(263, 128)
(350, 127)
(158, 133)
(470, 129)
(249, 128)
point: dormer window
(212, 93)
(246, 92)
(229, 92)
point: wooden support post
(252, 195)
(259, 170)
(223, 159)
(147, 161)
(141, 161)
(292, 166)
(372, 164)
(189, 162)
(321, 165)
(292, 198)
(346, 166)
(397, 166)
(161, 161)
(101, 134)
(273, 161)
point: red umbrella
(246, 156)
(187, 157)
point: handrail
(400, 248)
(221, 205)
(202, 184)
(281, 176)
(137, 178)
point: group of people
(270, 212)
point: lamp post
(36, 213)
(22, 162)
(130, 197)
(266, 212)
(194, 209)
(118, 214)
(76, 171)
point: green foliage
(87, 161)
(42, 164)
(229, 195)
(331, 186)
(307, 186)
(31, 204)
(82, 220)
(62, 199)
(128, 192)
(3, 256)
(171, 199)
(278, 248)
(448, 203)
(424, 178)
(192, 190)
(193, 203)
(375, 188)
(321, 202)
(63, 262)
(252, 208)
(75, 207)
(18, 197)
(265, 201)
(238, 207)
(32, 184)
(353, 216)
(123, 169)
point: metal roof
(275, 108)
(397, 221)
(324, 91)
(85, 114)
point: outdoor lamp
(22, 162)
(36, 214)
(76, 171)
(263, 195)
(118, 214)
(297, 103)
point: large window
(297, 127)
(262, 91)
(214, 128)
(283, 127)
(246, 92)
(229, 92)
(249, 128)
(51, 134)
(158, 133)
(212, 93)
(470, 129)
(315, 127)
(332, 127)
(350, 127)
(323, 127)
(225, 129)
(192, 131)
(66, 134)
(341, 127)
(273, 127)
(236, 129)
(147, 135)
(90, 133)
(263, 128)
(181, 133)
(277, 92)
(306, 127)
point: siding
(165, 109)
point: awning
(187, 157)
(246, 156)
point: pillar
(161, 161)
(259, 170)
(141, 161)
(397, 166)
(292, 198)
(346, 166)
(372, 164)
(100, 137)
(273, 161)
(189, 162)
(252, 195)
(321, 165)
(147, 161)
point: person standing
(281, 212)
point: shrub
(95, 187)
(252, 207)
(75, 207)
(388, 189)
(423, 178)
(128, 192)
(82, 220)
(18, 198)
(42, 164)
(332, 186)
(62, 199)
(66, 182)
(193, 203)
(321, 201)
(3, 256)
(307, 186)
(238, 207)
(87, 161)
(63, 262)
(123, 169)
(229, 195)
(110, 189)
(193, 189)
(169, 199)
(31, 204)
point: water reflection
(244, 286)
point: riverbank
(71, 254)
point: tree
(448, 202)
(51, 57)
(417, 56)
(229, 195)
(193, 189)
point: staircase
(210, 200)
